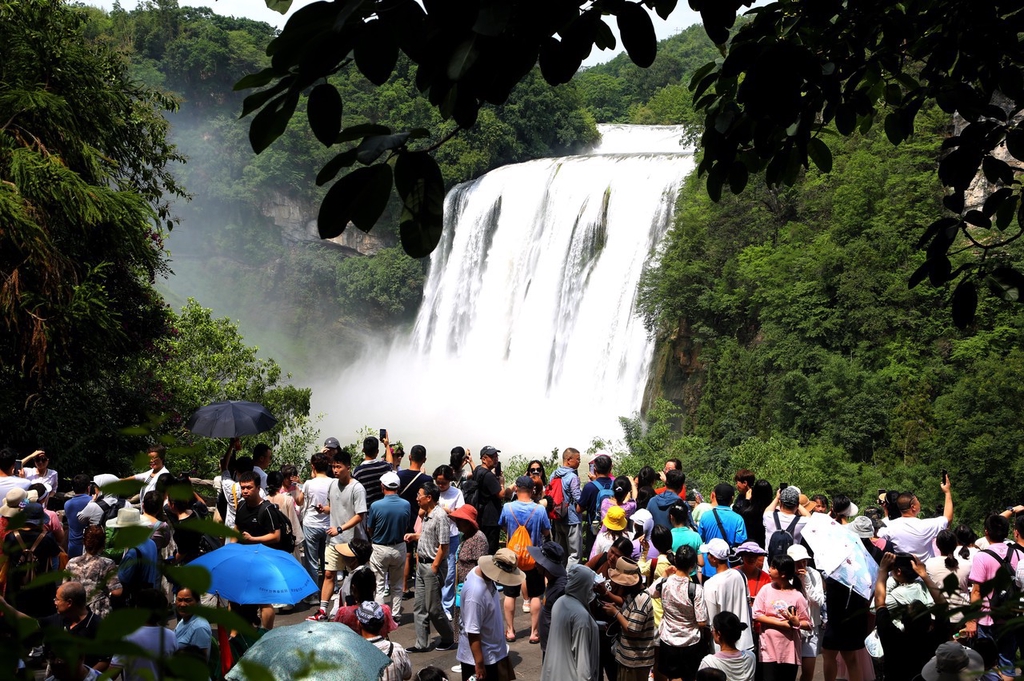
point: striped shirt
(635, 644)
(368, 474)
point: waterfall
(527, 336)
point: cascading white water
(527, 336)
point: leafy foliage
(84, 183)
(800, 70)
(809, 360)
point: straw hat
(625, 572)
(502, 567)
(14, 502)
(126, 517)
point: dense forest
(791, 344)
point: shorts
(847, 624)
(333, 561)
(534, 585)
(810, 646)
(679, 662)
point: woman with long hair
(622, 495)
(762, 494)
(955, 560)
(645, 482)
(782, 612)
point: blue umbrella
(315, 651)
(233, 418)
(253, 573)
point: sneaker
(319, 616)
(417, 649)
(526, 607)
(449, 645)
(457, 668)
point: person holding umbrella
(257, 525)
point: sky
(681, 18)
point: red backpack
(559, 500)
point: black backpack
(110, 510)
(471, 490)
(287, 542)
(781, 539)
(1006, 596)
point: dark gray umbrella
(233, 418)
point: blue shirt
(139, 566)
(389, 520)
(732, 523)
(76, 531)
(527, 513)
(195, 631)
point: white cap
(390, 480)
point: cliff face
(297, 222)
(677, 372)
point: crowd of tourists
(624, 577)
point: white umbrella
(840, 554)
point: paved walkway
(525, 657)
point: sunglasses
(538, 471)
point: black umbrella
(233, 418)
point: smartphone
(881, 491)
(383, 434)
(497, 468)
(783, 485)
(945, 476)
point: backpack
(471, 489)
(110, 510)
(520, 541)
(1003, 587)
(559, 500)
(281, 522)
(602, 494)
(25, 562)
(781, 539)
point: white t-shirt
(158, 641)
(49, 478)
(9, 482)
(263, 477)
(315, 491)
(914, 535)
(150, 478)
(738, 666)
(727, 592)
(450, 500)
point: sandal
(535, 640)
(510, 638)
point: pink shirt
(778, 645)
(984, 568)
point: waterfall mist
(527, 336)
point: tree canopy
(798, 71)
